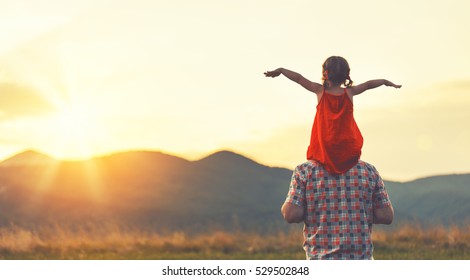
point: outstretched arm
(355, 90)
(296, 77)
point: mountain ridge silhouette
(157, 191)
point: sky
(85, 78)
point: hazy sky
(83, 78)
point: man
(337, 210)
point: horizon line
(120, 151)
(205, 155)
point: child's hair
(336, 71)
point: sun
(75, 132)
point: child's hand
(390, 84)
(273, 73)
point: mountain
(432, 200)
(144, 189)
(156, 191)
(28, 157)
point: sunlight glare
(74, 131)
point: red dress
(336, 140)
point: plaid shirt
(339, 209)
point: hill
(144, 189)
(157, 191)
(28, 157)
(432, 200)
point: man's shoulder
(310, 169)
(309, 165)
(316, 169)
(312, 164)
(368, 170)
(366, 165)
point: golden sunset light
(79, 79)
(72, 131)
(179, 130)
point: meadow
(98, 242)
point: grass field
(112, 242)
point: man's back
(339, 209)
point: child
(336, 140)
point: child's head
(336, 72)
